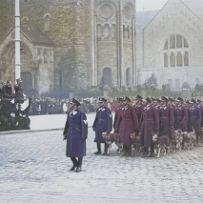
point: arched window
(172, 60)
(106, 78)
(173, 47)
(186, 59)
(47, 21)
(106, 31)
(179, 60)
(179, 41)
(172, 42)
(165, 60)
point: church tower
(113, 47)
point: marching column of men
(154, 116)
(147, 118)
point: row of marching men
(147, 118)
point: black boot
(98, 149)
(105, 149)
(75, 163)
(78, 169)
(144, 151)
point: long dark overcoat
(138, 110)
(166, 115)
(102, 123)
(129, 124)
(77, 130)
(150, 125)
(195, 119)
(116, 119)
(181, 118)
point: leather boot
(144, 151)
(105, 149)
(78, 169)
(98, 149)
(75, 163)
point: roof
(143, 18)
(196, 6)
(36, 36)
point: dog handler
(75, 132)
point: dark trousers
(99, 147)
(76, 162)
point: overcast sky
(150, 4)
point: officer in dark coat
(195, 118)
(102, 123)
(2, 89)
(19, 91)
(181, 115)
(166, 115)
(128, 125)
(7, 91)
(149, 126)
(75, 132)
(138, 108)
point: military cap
(148, 99)
(171, 99)
(126, 99)
(192, 101)
(138, 97)
(119, 99)
(179, 99)
(3, 83)
(75, 102)
(158, 100)
(102, 100)
(164, 98)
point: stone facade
(92, 42)
(170, 46)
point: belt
(148, 119)
(102, 119)
(164, 117)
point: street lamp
(17, 39)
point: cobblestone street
(33, 168)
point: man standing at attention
(75, 132)
(102, 123)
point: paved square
(33, 168)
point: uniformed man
(149, 127)
(128, 124)
(138, 108)
(8, 93)
(181, 115)
(75, 132)
(166, 115)
(195, 118)
(102, 123)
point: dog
(136, 142)
(177, 140)
(110, 139)
(189, 139)
(160, 143)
